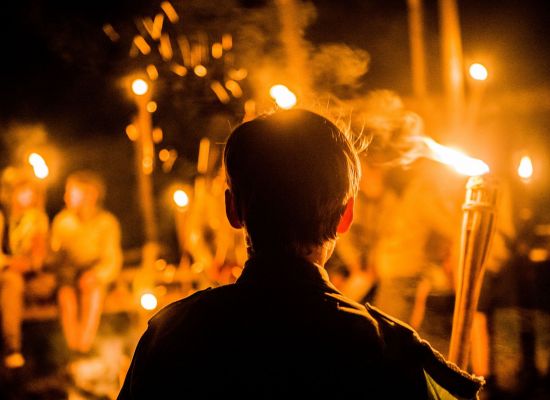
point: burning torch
(478, 227)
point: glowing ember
(237, 74)
(152, 72)
(165, 47)
(220, 92)
(157, 135)
(149, 301)
(227, 41)
(178, 69)
(151, 106)
(164, 155)
(460, 162)
(142, 45)
(170, 12)
(283, 96)
(157, 26)
(525, 169)
(234, 88)
(200, 71)
(132, 132)
(217, 50)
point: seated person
(23, 234)
(282, 330)
(87, 256)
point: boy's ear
(231, 210)
(347, 217)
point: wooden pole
(452, 62)
(416, 41)
(145, 155)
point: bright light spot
(142, 45)
(149, 301)
(164, 155)
(220, 92)
(237, 74)
(132, 132)
(283, 96)
(41, 170)
(36, 159)
(139, 87)
(200, 71)
(525, 169)
(179, 70)
(157, 135)
(152, 106)
(234, 88)
(478, 72)
(460, 162)
(171, 13)
(152, 71)
(180, 198)
(217, 50)
(227, 41)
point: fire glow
(460, 162)
(41, 170)
(423, 146)
(525, 168)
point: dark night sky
(58, 65)
(59, 68)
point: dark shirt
(281, 331)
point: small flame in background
(525, 168)
(41, 170)
(283, 96)
(149, 301)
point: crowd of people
(73, 259)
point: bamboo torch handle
(478, 226)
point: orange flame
(457, 160)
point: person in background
(87, 255)
(23, 234)
(292, 180)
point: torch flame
(525, 169)
(460, 162)
(41, 170)
(283, 96)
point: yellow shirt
(95, 241)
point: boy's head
(291, 175)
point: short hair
(291, 173)
(91, 178)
